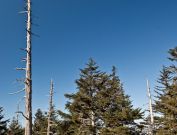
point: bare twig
(23, 115)
(17, 92)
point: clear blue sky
(133, 35)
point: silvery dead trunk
(50, 109)
(28, 80)
(150, 109)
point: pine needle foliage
(40, 123)
(116, 109)
(166, 102)
(3, 123)
(15, 128)
(100, 105)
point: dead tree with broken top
(28, 79)
(150, 109)
(51, 109)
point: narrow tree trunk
(17, 114)
(28, 81)
(50, 109)
(150, 109)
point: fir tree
(99, 106)
(3, 123)
(166, 101)
(40, 123)
(173, 54)
(15, 128)
(82, 107)
(118, 115)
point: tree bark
(150, 109)
(28, 80)
(50, 109)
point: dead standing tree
(28, 76)
(51, 109)
(150, 109)
(28, 79)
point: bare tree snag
(50, 109)
(28, 80)
(150, 108)
(18, 110)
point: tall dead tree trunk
(28, 80)
(17, 114)
(150, 109)
(49, 132)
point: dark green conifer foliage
(54, 121)
(99, 106)
(115, 108)
(82, 107)
(15, 128)
(40, 123)
(3, 123)
(173, 54)
(64, 125)
(166, 102)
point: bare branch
(20, 80)
(23, 49)
(23, 59)
(23, 115)
(17, 92)
(20, 68)
(22, 12)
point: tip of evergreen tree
(173, 54)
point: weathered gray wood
(150, 108)
(28, 80)
(50, 109)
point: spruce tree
(3, 123)
(166, 101)
(15, 128)
(82, 107)
(40, 123)
(118, 114)
(100, 105)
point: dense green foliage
(100, 105)
(115, 108)
(40, 123)
(3, 123)
(166, 103)
(15, 128)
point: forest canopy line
(116, 32)
(101, 107)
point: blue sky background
(133, 35)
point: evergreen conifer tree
(15, 128)
(116, 109)
(166, 101)
(3, 123)
(82, 107)
(100, 105)
(40, 123)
